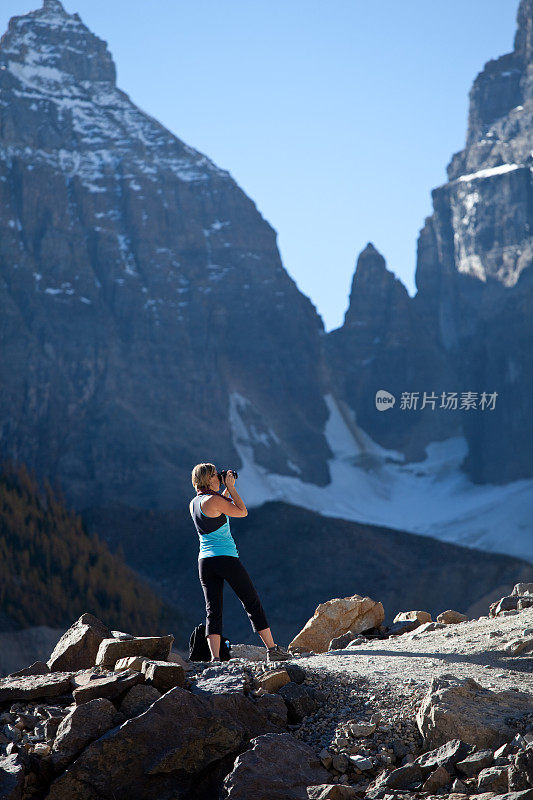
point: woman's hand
(230, 480)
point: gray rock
(251, 652)
(340, 762)
(493, 779)
(436, 780)
(79, 645)
(160, 752)
(447, 755)
(12, 772)
(474, 763)
(521, 589)
(222, 678)
(456, 708)
(403, 626)
(301, 700)
(361, 762)
(404, 777)
(274, 708)
(331, 791)
(340, 642)
(163, 675)
(362, 728)
(111, 686)
(521, 770)
(37, 668)
(82, 725)
(30, 687)
(527, 794)
(138, 698)
(154, 647)
(296, 673)
(275, 767)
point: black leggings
(212, 571)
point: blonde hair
(202, 474)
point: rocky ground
(440, 709)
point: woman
(219, 558)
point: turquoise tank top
(219, 542)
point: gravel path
(473, 649)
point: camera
(222, 475)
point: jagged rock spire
(373, 287)
(523, 42)
(51, 37)
(53, 5)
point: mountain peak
(523, 42)
(52, 46)
(373, 286)
(54, 6)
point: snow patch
(370, 484)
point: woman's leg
(213, 640)
(241, 583)
(213, 588)
(266, 636)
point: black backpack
(199, 648)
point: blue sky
(337, 118)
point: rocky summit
(435, 709)
(148, 322)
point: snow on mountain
(373, 485)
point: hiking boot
(277, 653)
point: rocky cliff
(139, 286)
(467, 329)
(148, 323)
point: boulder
(455, 708)
(493, 779)
(275, 767)
(406, 777)
(251, 652)
(452, 617)
(511, 603)
(474, 763)
(332, 791)
(336, 617)
(521, 770)
(521, 589)
(273, 680)
(223, 678)
(274, 708)
(79, 645)
(436, 780)
(296, 673)
(29, 687)
(340, 642)
(162, 674)
(159, 753)
(362, 728)
(360, 762)
(447, 755)
(403, 626)
(154, 647)
(12, 774)
(37, 668)
(110, 686)
(427, 627)
(519, 646)
(81, 725)
(410, 616)
(130, 662)
(138, 698)
(301, 700)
